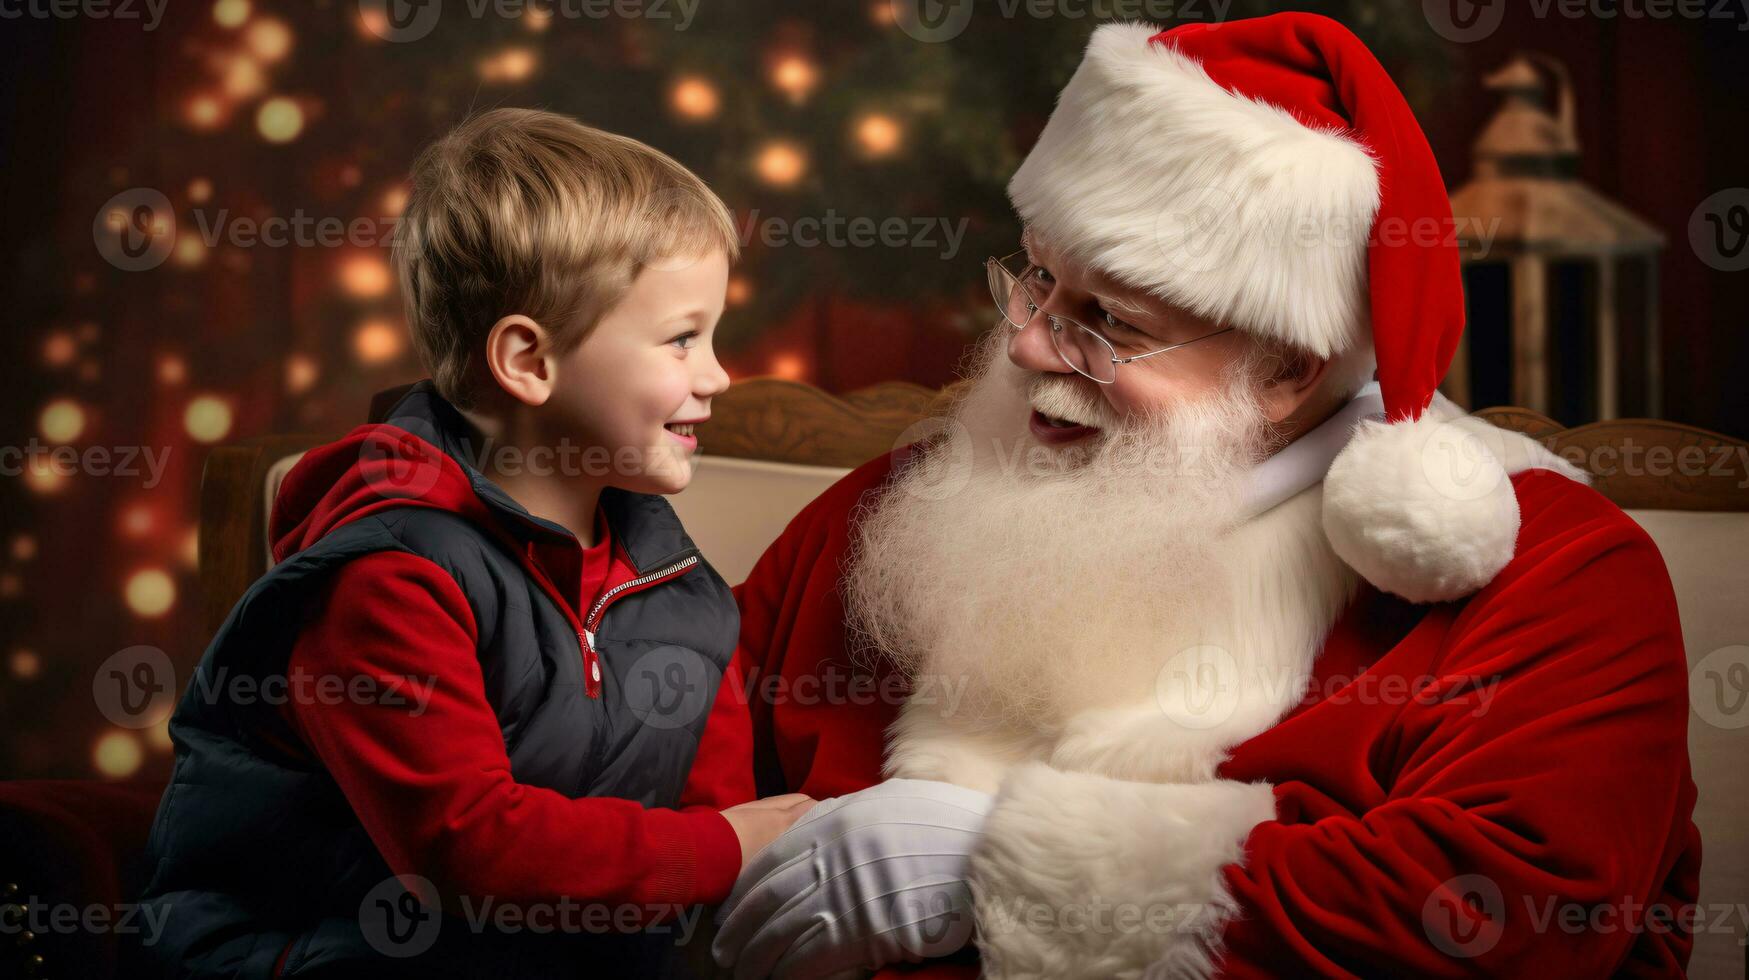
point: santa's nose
(1030, 347)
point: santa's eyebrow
(1120, 306)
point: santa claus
(1221, 655)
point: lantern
(1560, 283)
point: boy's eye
(685, 340)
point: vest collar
(644, 524)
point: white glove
(860, 881)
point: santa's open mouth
(1056, 431)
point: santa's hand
(863, 880)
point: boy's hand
(760, 822)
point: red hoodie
(434, 790)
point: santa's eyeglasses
(1015, 286)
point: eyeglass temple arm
(1137, 357)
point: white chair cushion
(1705, 555)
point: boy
(496, 647)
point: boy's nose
(713, 380)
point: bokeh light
(150, 592)
(694, 98)
(62, 420)
(231, 13)
(207, 418)
(279, 120)
(377, 342)
(366, 276)
(269, 39)
(117, 754)
(781, 164)
(877, 134)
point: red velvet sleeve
(431, 781)
(818, 718)
(722, 771)
(1528, 838)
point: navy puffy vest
(255, 849)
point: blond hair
(530, 212)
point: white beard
(1106, 608)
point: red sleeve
(818, 718)
(1566, 801)
(432, 784)
(722, 771)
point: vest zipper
(592, 622)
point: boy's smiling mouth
(684, 430)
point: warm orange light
(200, 190)
(59, 349)
(781, 164)
(43, 475)
(25, 664)
(788, 366)
(509, 65)
(878, 134)
(739, 291)
(366, 276)
(694, 98)
(243, 78)
(172, 370)
(301, 372)
(138, 520)
(189, 251)
(795, 76)
(270, 39)
(377, 342)
(203, 111)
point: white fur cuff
(1079, 875)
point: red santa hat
(1269, 175)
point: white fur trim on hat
(1079, 875)
(1229, 206)
(1425, 509)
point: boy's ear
(516, 354)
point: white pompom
(1423, 509)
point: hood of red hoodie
(375, 467)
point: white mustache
(1068, 398)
